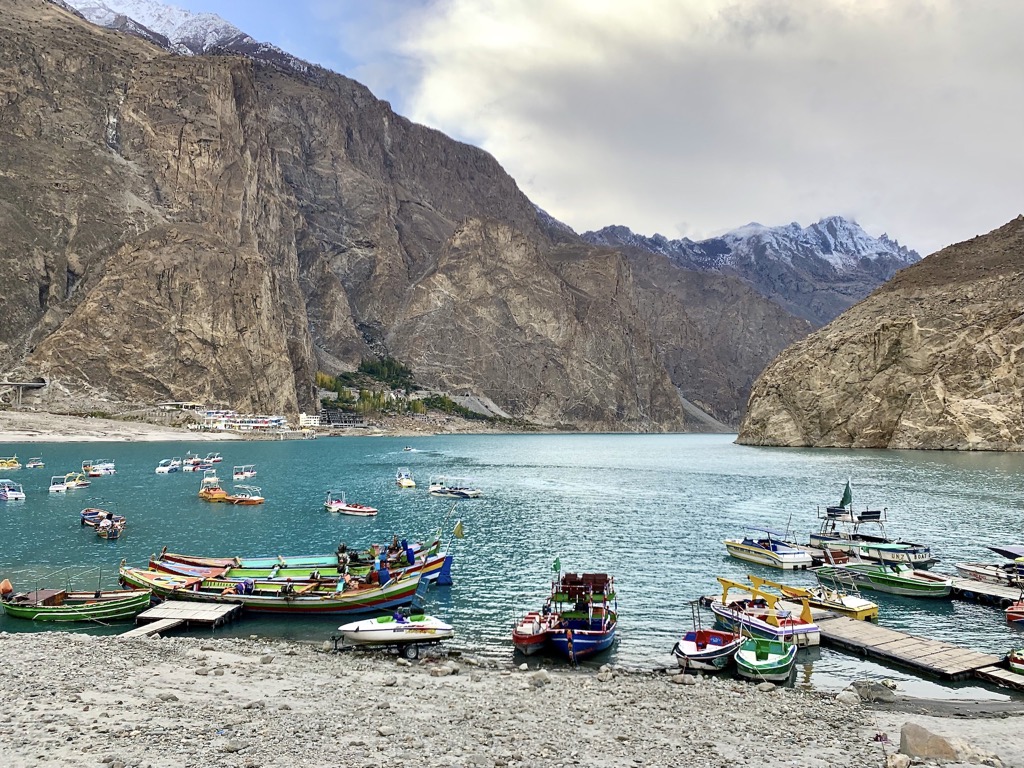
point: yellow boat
(210, 489)
(820, 596)
(9, 462)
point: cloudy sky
(692, 117)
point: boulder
(869, 690)
(919, 742)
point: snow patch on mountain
(186, 33)
(840, 242)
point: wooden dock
(175, 613)
(983, 592)
(930, 657)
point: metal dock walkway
(173, 613)
(931, 657)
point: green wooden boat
(894, 578)
(64, 605)
(765, 660)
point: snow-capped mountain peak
(187, 33)
(814, 272)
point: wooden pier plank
(932, 657)
(173, 613)
(152, 628)
(996, 593)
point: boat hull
(793, 632)
(1015, 613)
(991, 574)
(532, 633)
(876, 578)
(766, 660)
(430, 569)
(881, 551)
(795, 561)
(356, 510)
(268, 597)
(706, 650)
(386, 630)
(82, 606)
(584, 643)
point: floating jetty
(931, 657)
(983, 592)
(175, 613)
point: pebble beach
(80, 700)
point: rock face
(933, 359)
(813, 272)
(219, 228)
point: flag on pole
(557, 565)
(847, 496)
(458, 533)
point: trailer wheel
(411, 651)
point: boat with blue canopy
(770, 548)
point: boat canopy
(1010, 551)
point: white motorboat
(452, 488)
(11, 491)
(396, 629)
(842, 531)
(335, 502)
(1005, 574)
(166, 466)
(57, 484)
(767, 548)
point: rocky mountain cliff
(933, 359)
(219, 228)
(813, 272)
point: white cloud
(905, 115)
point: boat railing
(849, 515)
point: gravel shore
(81, 700)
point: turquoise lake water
(650, 509)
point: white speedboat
(452, 488)
(11, 491)
(335, 502)
(767, 548)
(57, 484)
(396, 629)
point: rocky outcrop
(714, 334)
(556, 334)
(933, 359)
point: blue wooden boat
(587, 611)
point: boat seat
(715, 640)
(761, 655)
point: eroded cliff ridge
(216, 228)
(933, 359)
